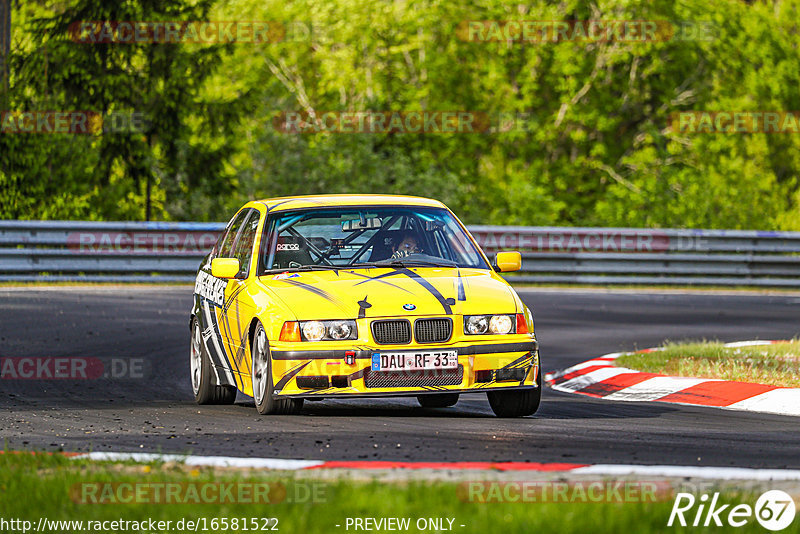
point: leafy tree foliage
(178, 150)
(580, 134)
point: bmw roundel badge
(409, 307)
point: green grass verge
(36, 486)
(776, 365)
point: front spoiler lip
(320, 396)
(366, 354)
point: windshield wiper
(424, 263)
(304, 268)
(405, 263)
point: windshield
(347, 237)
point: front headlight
(313, 330)
(341, 329)
(489, 324)
(500, 324)
(328, 330)
(476, 324)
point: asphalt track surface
(157, 413)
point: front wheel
(266, 403)
(442, 400)
(204, 386)
(517, 403)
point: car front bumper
(330, 373)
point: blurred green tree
(580, 131)
(178, 148)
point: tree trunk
(5, 41)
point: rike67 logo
(774, 510)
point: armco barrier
(170, 252)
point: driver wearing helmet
(406, 246)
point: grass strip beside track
(49, 486)
(776, 365)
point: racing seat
(291, 252)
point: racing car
(351, 296)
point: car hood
(388, 292)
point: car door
(239, 308)
(212, 295)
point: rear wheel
(517, 403)
(266, 403)
(204, 382)
(443, 400)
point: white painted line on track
(717, 473)
(211, 461)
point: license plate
(414, 361)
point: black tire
(442, 400)
(261, 366)
(517, 403)
(203, 379)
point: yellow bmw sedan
(350, 296)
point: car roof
(322, 201)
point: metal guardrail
(170, 252)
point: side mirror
(224, 267)
(506, 262)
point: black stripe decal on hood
(308, 287)
(446, 303)
(379, 278)
(317, 291)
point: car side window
(226, 249)
(243, 250)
